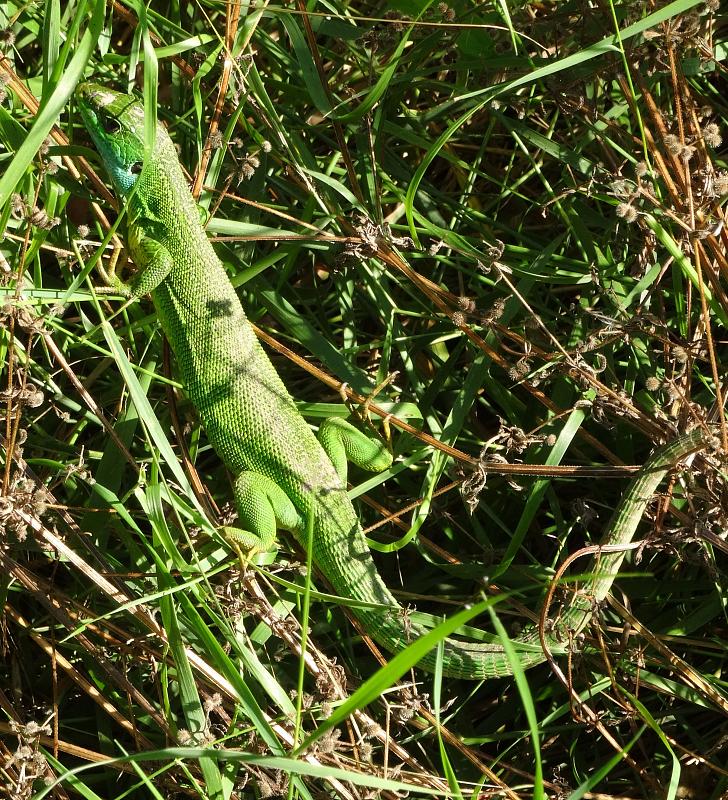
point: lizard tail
(349, 567)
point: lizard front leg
(154, 263)
(342, 443)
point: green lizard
(282, 471)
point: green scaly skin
(283, 473)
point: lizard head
(116, 124)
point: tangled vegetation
(493, 232)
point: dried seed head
(366, 751)
(495, 251)
(40, 219)
(672, 143)
(184, 737)
(720, 183)
(712, 136)
(653, 384)
(34, 398)
(371, 729)
(627, 212)
(494, 313)
(329, 742)
(213, 702)
(680, 354)
(17, 206)
(247, 168)
(447, 12)
(40, 500)
(245, 172)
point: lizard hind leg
(263, 507)
(343, 442)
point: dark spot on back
(220, 308)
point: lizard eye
(110, 125)
(136, 168)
